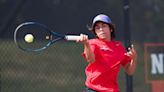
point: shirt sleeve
(126, 60)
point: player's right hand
(83, 39)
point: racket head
(42, 36)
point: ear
(111, 30)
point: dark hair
(113, 36)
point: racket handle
(71, 37)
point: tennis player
(105, 56)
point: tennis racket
(34, 37)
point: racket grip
(71, 37)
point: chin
(102, 38)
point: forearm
(131, 66)
(87, 49)
(89, 53)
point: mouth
(102, 34)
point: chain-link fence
(61, 68)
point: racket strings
(41, 37)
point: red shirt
(102, 73)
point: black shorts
(89, 90)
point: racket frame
(51, 41)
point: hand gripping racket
(34, 37)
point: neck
(107, 40)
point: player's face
(103, 31)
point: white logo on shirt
(104, 48)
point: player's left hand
(131, 52)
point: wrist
(86, 44)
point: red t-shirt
(102, 73)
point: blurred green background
(60, 68)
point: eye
(104, 25)
(97, 27)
